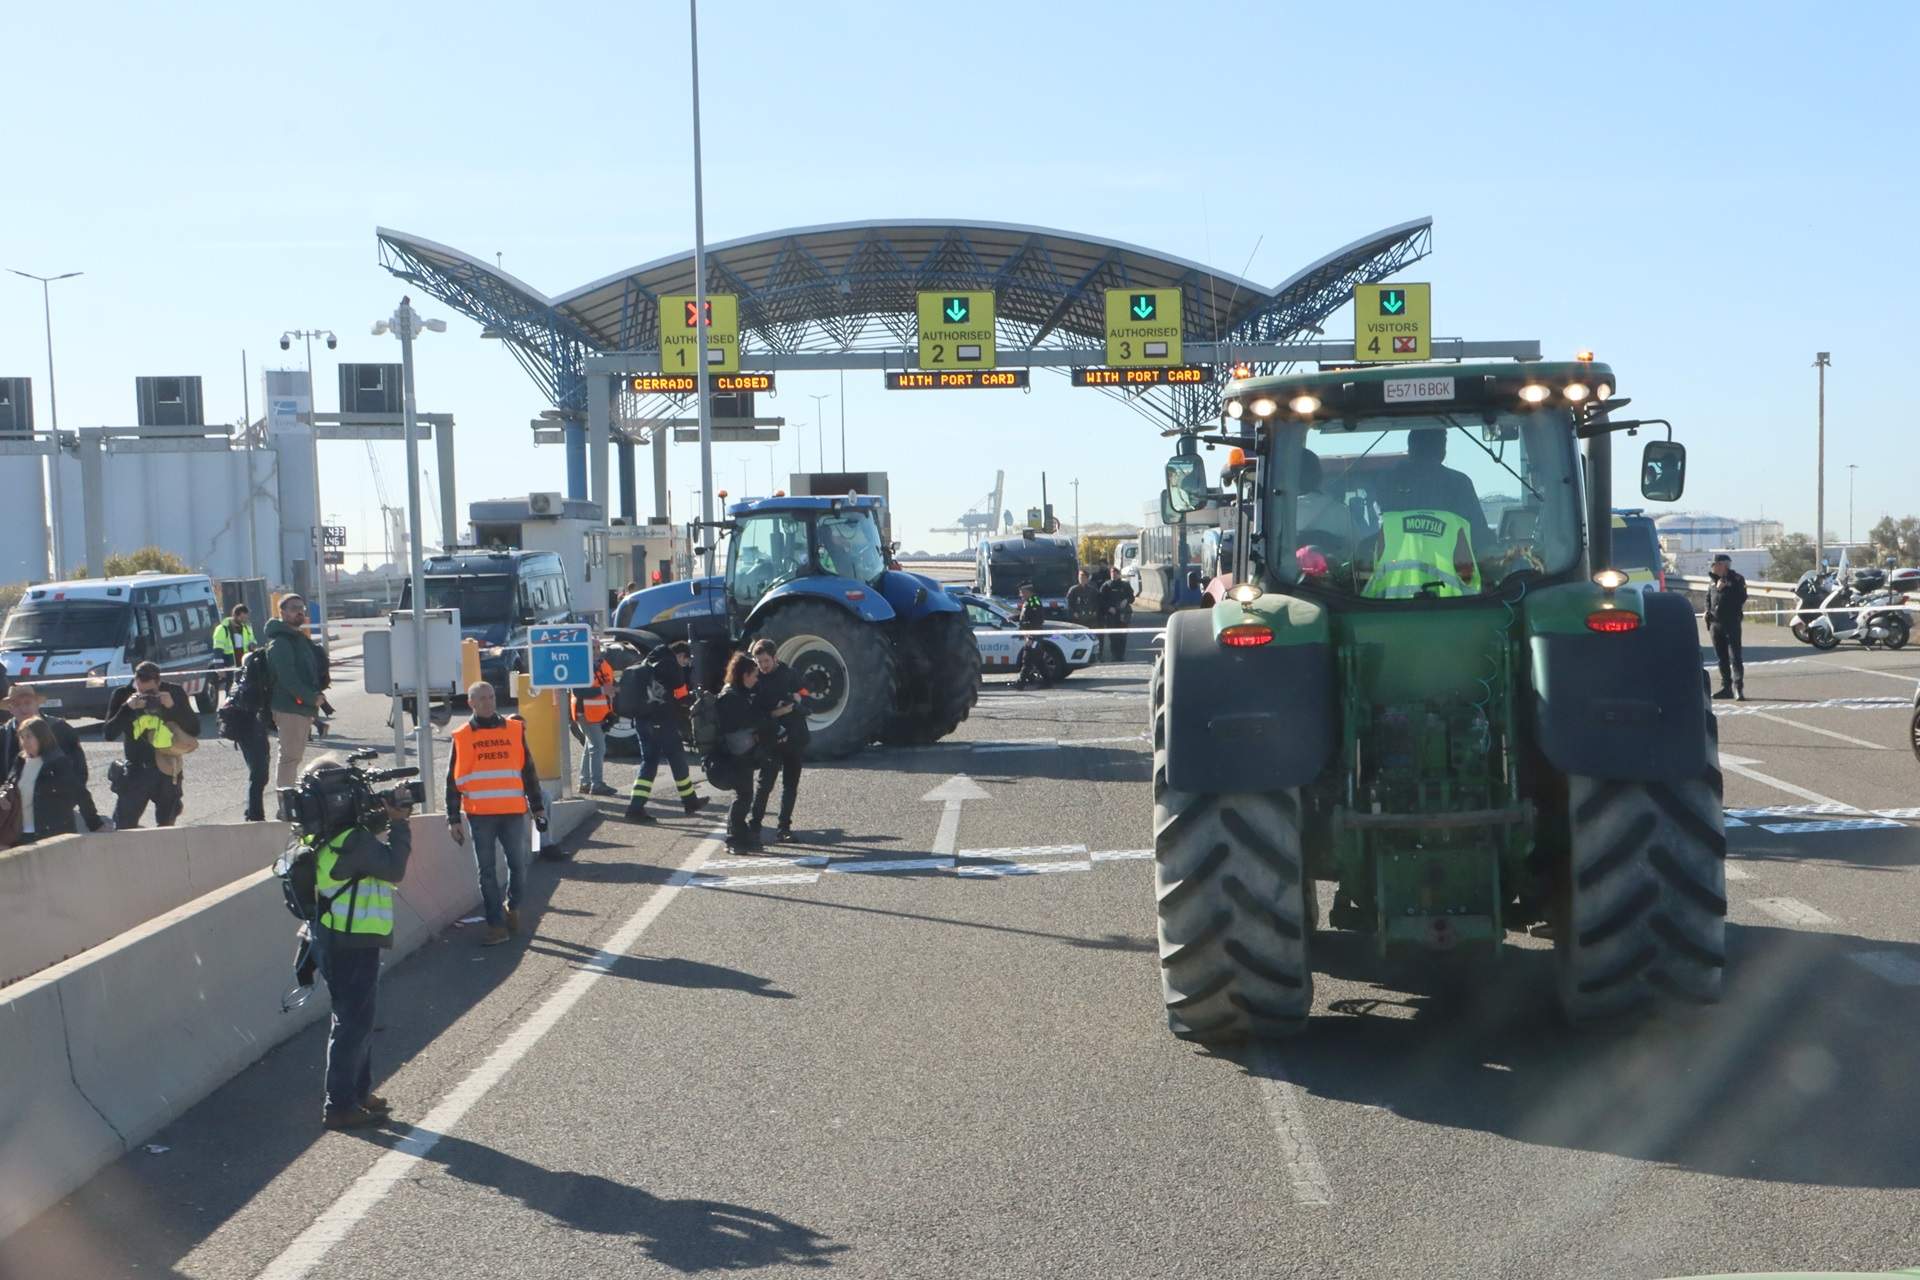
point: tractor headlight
(1535, 392)
(1264, 407)
(1575, 391)
(1235, 408)
(1245, 593)
(1305, 406)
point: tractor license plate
(1409, 390)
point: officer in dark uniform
(1083, 600)
(1033, 616)
(1726, 601)
(1116, 610)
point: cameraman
(148, 713)
(354, 877)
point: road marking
(1895, 967)
(1029, 851)
(1121, 855)
(728, 864)
(338, 1220)
(896, 864)
(1738, 873)
(1869, 671)
(1737, 765)
(1829, 733)
(996, 871)
(1793, 810)
(951, 794)
(1823, 704)
(752, 882)
(1306, 1178)
(989, 748)
(1831, 824)
(1792, 911)
(1896, 813)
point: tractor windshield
(847, 544)
(1428, 507)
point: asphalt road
(941, 1072)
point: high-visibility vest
(223, 638)
(361, 905)
(596, 704)
(148, 725)
(487, 764)
(1419, 550)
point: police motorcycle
(333, 796)
(1859, 606)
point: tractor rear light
(855, 595)
(1246, 635)
(1613, 621)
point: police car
(1062, 652)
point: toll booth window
(767, 551)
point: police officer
(1726, 601)
(492, 778)
(1083, 600)
(354, 877)
(233, 638)
(1116, 610)
(666, 668)
(780, 698)
(1032, 617)
(592, 709)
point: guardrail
(1698, 583)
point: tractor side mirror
(1167, 514)
(1663, 471)
(1186, 483)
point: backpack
(298, 867)
(704, 715)
(640, 692)
(249, 698)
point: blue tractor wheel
(845, 665)
(939, 679)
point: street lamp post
(1076, 509)
(820, 431)
(843, 419)
(700, 304)
(54, 549)
(1851, 468)
(313, 438)
(405, 324)
(1820, 361)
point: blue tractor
(882, 654)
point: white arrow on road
(951, 794)
(1739, 765)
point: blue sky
(1705, 194)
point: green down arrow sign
(1145, 306)
(1393, 301)
(956, 310)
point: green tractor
(1427, 684)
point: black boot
(638, 813)
(695, 804)
(1726, 691)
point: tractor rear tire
(1232, 907)
(945, 681)
(846, 662)
(1646, 903)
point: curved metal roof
(850, 286)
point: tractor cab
(776, 541)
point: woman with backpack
(48, 785)
(745, 730)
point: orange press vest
(487, 765)
(594, 705)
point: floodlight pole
(1820, 361)
(707, 530)
(319, 517)
(54, 549)
(820, 432)
(406, 323)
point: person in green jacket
(298, 670)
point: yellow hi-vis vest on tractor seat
(362, 905)
(1419, 550)
(487, 765)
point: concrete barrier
(67, 894)
(99, 1051)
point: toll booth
(646, 554)
(573, 528)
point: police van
(84, 638)
(499, 593)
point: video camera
(333, 796)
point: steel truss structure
(849, 288)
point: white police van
(1061, 652)
(95, 631)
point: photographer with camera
(493, 778)
(340, 877)
(159, 724)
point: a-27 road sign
(560, 657)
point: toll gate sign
(1143, 327)
(1392, 322)
(680, 333)
(956, 329)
